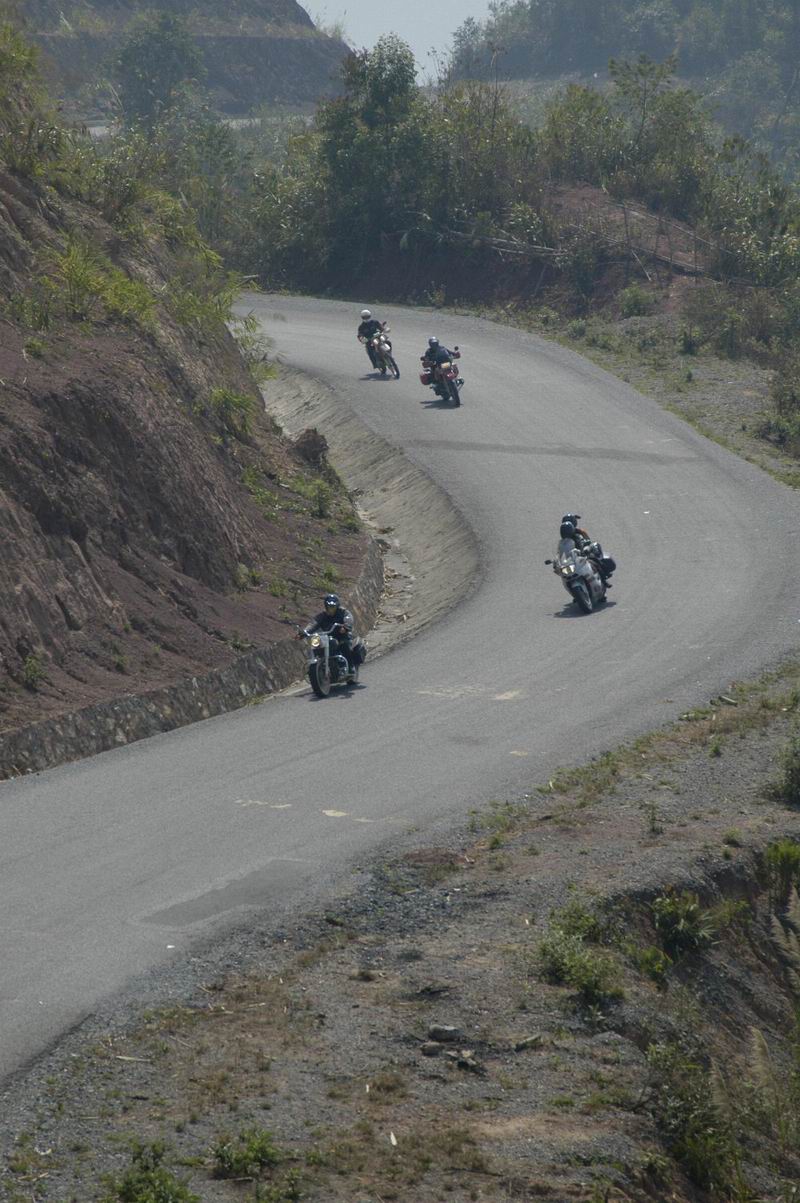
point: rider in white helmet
(366, 332)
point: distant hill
(743, 55)
(255, 51)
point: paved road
(111, 867)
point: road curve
(111, 867)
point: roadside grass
(746, 707)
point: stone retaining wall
(126, 719)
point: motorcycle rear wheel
(581, 596)
(319, 679)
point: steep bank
(155, 524)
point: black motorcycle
(328, 667)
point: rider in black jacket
(370, 326)
(435, 353)
(592, 550)
(337, 621)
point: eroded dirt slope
(153, 522)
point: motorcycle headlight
(315, 641)
(568, 569)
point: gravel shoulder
(408, 1042)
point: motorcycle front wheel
(454, 393)
(394, 367)
(319, 679)
(583, 599)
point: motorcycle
(579, 576)
(384, 360)
(443, 378)
(328, 667)
(381, 352)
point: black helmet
(567, 530)
(433, 341)
(331, 601)
(573, 518)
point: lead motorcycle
(327, 666)
(382, 349)
(380, 352)
(579, 576)
(443, 378)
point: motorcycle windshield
(567, 551)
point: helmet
(366, 313)
(433, 341)
(331, 601)
(567, 530)
(573, 518)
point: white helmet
(366, 314)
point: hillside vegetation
(153, 522)
(250, 52)
(446, 196)
(741, 54)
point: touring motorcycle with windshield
(579, 575)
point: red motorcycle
(443, 377)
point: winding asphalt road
(113, 866)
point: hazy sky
(421, 23)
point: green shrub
(689, 1117)
(244, 1155)
(683, 926)
(653, 962)
(32, 671)
(149, 1181)
(563, 958)
(78, 275)
(576, 328)
(787, 788)
(323, 495)
(782, 862)
(732, 912)
(575, 919)
(128, 299)
(265, 499)
(34, 309)
(232, 410)
(634, 301)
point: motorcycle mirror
(548, 561)
(455, 348)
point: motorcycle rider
(435, 353)
(336, 621)
(588, 547)
(370, 326)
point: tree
(156, 67)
